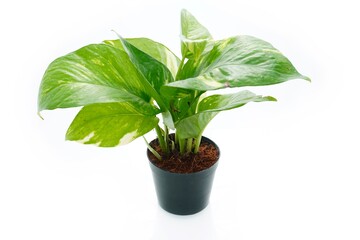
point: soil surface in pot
(187, 163)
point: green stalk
(176, 139)
(182, 145)
(189, 143)
(156, 154)
(179, 69)
(197, 102)
(180, 142)
(172, 145)
(161, 139)
(166, 135)
(197, 143)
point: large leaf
(154, 49)
(153, 71)
(209, 107)
(111, 124)
(96, 73)
(239, 61)
(194, 36)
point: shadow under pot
(184, 193)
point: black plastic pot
(184, 193)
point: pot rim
(198, 172)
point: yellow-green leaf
(192, 126)
(96, 73)
(237, 62)
(111, 124)
(194, 36)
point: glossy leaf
(194, 125)
(194, 36)
(111, 124)
(153, 71)
(191, 66)
(237, 62)
(96, 73)
(124, 84)
(217, 102)
(209, 107)
(156, 73)
(154, 49)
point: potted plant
(126, 85)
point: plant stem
(166, 135)
(179, 69)
(172, 145)
(176, 139)
(197, 101)
(189, 143)
(162, 143)
(157, 155)
(197, 143)
(182, 145)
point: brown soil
(188, 163)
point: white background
(288, 170)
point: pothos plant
(126, 85)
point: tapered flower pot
(184, 193)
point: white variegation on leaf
(111, 124)
(237, 62)
(194, 36)
(124, 84)
(154, 49)
(96, 73)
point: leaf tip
(270, 98)
(117, 34)
(39, 114)
(184, 11)
(306, 78)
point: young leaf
(154, 49)
(194, 36)
(111, 124)
(96, 73)
(209, 107)
(153, 71)
(217, 103)
(237, 62)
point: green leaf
(153, 71)
(111, 124)
(237, 62)
(216, 103)
(209, 107)
(194, 36)
(96, 73)
(194, 125)
(154, 49)
(190, 67)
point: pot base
(184, 193)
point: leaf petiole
(160, 136)
(189, 144)
(197, 143)
(152, 150)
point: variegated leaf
(111, 124)
(96, 73)
(154, 49)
